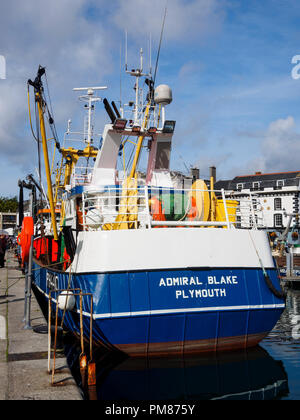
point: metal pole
(25, 293)
(147, 206)
(49, 332)
(28, 287)
(225, 208)
(28, 272)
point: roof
(269, 176)
(222, 184)
(264, 181)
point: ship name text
(205, 292)
(52, 281)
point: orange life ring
(25, 237)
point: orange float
(158, 214)
(25, 237)
(193, 213)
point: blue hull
(164, 312)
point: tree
(8, 204)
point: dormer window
(256, 185)
(280, 183)
(239, 187)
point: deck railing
(144, 207)
(81, 175)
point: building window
(251, 221)
(280, 183)
(256, 185)
(277, 204)
(239, 187)
(278, 220)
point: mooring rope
(281, 294)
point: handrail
(100, 208)
(187, 223)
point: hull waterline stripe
(183, 310)
(176, 311)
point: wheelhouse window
(278, 220)
(277, 204)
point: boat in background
(159, 268)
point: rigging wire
(29, 111)
(51, 116)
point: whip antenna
(160, 41)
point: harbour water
(270, 371)
(283, 344)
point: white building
(275, 196)
(8, 222)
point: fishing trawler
(159, 267)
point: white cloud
(186, 19)
(281, 146)
(190, 69)
(59, 35)
(79, 42)
(279, 149)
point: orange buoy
(193, 213)
(158, 213)
(25, 237)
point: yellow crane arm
(47, 166)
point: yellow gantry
(72, 155)
(39, 101)
(128, 210)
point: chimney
(195, 173)
(213, 173)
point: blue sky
(228, 63)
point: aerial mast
(91, 100)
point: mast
(38, 87)
(138, 73)
(71, 154)
(90, 99)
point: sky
(228, 62)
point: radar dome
(163, 95)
